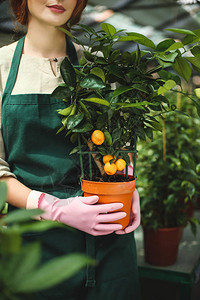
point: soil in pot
(161, 246)
(110, 192)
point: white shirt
(27, 83)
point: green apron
(40, 159)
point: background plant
(170, 171)
(130, 109)
(21, 272)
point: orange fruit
(120, 164)
(97, 137)
(107, 158)
(110, 169)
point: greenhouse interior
(159, 41)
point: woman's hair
(20, 9)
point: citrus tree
(114, 97)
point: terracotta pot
(110, 192)
(161, 246)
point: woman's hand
(81, 213)
(134, 216)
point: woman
(37, 169)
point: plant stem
(97, 161)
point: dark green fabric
(40, 159)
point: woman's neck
(45, 41)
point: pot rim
(164, 229)
(107, 183)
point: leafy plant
(169, 168)
(122, 93)
(21, 272)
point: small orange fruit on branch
(110, 169)
(97, 137)
(107, 158)
(120, 164)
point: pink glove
(81, 213)
(135, 215)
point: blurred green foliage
(21, 272)
(169, 169)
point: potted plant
(114, 98)
(170, 170)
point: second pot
(161, 246)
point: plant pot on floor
(161, 246)
(110, 192)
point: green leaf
(40, 226)
(169, 84)
(182, 68)
(163, 63)
(198, 168)
(108, 138)
(106, 50)
(61, 129)
(164, 45)
(175, 46)
(115, 54)
(73, 121)
(84, 109)
(167, 57)
(156, 125)
(63, 268)
(92, 82)
(62, 93)
(101, 60)
(101, 121)
(115, 70)
(140, 87)
(30, 255)
(140, 132)
(109, 29)
(21, 215)
(82, 62)
(182, 31)
(116, 135)
(74, 138)
(194, 60)
(136, 105)
(138, 38)
(196, 50)
(68, 73)
(74, 150)
(98, 101)
(82, 128)
(168, 75)
(10, 241)
(197, 92)
(68, 33)
(190, 39)
(87, 28)
(3, 194)
(66, 111)
(149, 132)
(88, 56)
(121, 90)
(98, 72)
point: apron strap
(17, 57)
(90, 271)
(14, 67)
